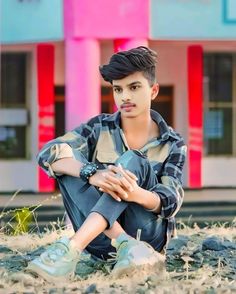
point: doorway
(59, 110)
(164, 104)
(107, 101)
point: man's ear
(155, 90)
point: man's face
(133, 94)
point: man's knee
(130, 158)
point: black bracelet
(87, 170)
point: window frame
(26, 106)
(207, 104)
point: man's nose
(125, 97)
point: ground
(197, 261)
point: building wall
(17, 173)
(31, 21)
(219, 170)
(193, 19)
(172, 71)
(106, 19)
(59, 77)
(171, 23)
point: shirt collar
(114, 118)
(165, 130)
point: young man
(119, 175)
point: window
(107, 103)
(12, 142)
(164, 103)
(219, 104)
(13, 105)
(13, 80)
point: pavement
(211, 195)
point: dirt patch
(197, 261)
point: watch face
(87, 171)
(90, 168)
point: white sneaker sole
(33, 269)
(143, 264)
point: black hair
(124, 63)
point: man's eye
(117, 90)
(133, 88)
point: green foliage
(23, 219)
(19, 220)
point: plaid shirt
(101, 140)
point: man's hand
(100, 180)
(115, 181)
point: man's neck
(135, 125)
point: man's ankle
(123, 237)
(73, 244)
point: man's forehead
(130, 79)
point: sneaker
(57, 263)
(132, 254)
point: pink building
(67, 88)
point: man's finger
(114, 195)
(107, 186)
(126, 183)
(112, 178)
(119, 168)
(114, 188)
(111, 193)
(118, 189)
(121, 180)
(133, 176)
(113, 168)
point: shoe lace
(115, 256)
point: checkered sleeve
(82, 141)
(170, 187)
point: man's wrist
(149, 200)
(140, 199)
(88, 170)
(90, 179)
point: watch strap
(87, 170)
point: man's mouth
(127, 106)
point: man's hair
(124, 63)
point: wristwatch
(87, 170)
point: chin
(129, 114)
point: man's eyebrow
(128, 85)
(134, 83)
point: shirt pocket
(107, 157)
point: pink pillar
(46, 128)
(126, 44)
(195, 98)
(83, 92)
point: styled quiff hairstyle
(124, 63)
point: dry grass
(206, 279)
(179, 275)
